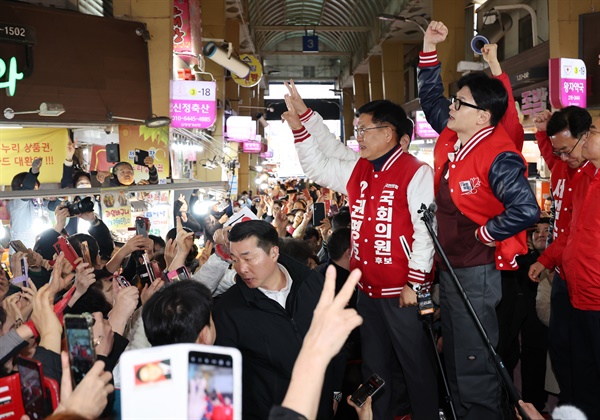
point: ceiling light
(46, 109)
(151, 122)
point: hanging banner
(255, 74)
(116, 208)
(567, 82)
(193, 103)
(182, 34)
(19, 147)
(153, 140)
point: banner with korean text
(153, 140)
(19, 147)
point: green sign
(12, 76)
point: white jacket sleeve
(211, 273)
(420, 191)
(324, 159)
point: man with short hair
(559, 137)
(179, 313)
(484, 203)
(266, 315)
(390, 244)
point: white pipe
(219, 56)
(529, 9)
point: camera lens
(84, 205)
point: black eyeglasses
(360, 132)
(568, 154)
(458, 103)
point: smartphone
(32, 387)
(368, 389)
(63, 245)
(318, 214)
(139, 157)
(140, 226)
(123, 282)
(18, 246)
(213, 374)
(145, 271)
(181, 273)
(80, 342)
(24, 271)
(85, 254)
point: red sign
(182, 35)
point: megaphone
(493, 32)
(478, 42)
(223, 58)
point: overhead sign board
(567, 82)
(193, 103)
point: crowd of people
(317, 306)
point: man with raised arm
(390, 244)
(484, 204)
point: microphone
(432, 207)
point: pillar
(392, 57)
(348, 112)
(451, 51)
(361, 89)
(375, 79)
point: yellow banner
(116, 208)
(19, 147)
(153, 140)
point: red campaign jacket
(563, 181)
(470, 187)
(382, 230)
(581, 259)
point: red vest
(469, 184)
(382, 230)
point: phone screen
(140, 227)
(85, 253)
(210, 386)
(318, 213)
(24, 271)
(370, 387)
(32, 388)
(78, 329)
(140, 155)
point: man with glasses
(390, 244)
(580, 263)
(559, 137)
(484, 205)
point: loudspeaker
(112, 152)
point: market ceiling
(348, 31)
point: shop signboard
(352, 144)
(240, 129)
(182, 34)
(193, 103)
(116, 208)
(255, 74)
(567, 82)
(252, 147)
(423, 129)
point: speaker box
(112, 152)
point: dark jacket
(270, 338)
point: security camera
(223, 58)
(108, 129)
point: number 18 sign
(193, 103)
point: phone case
(85, 253)
(140, 155)
(63, 245)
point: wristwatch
(415, 287)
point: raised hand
(291, 115)
(541, 119)
(297, 101)
(436, 32)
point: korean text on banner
(18, 149)
(116, 209)
(154, 140)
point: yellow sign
(255, 74)
(116, 209)
(19, 147)
(153, 140)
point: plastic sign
(9, 76)
(352, 144)
(252, 147)
(255, 74)
(310, 44)
(240, 129)
(567, 82)
(193, 103)
(423, 129)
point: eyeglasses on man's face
(360, 132)
(568, 154)
(459, 102)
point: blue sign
(310, 44)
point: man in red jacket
(559, 138)
(484, 204)
(581, 268)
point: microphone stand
(509, 386)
